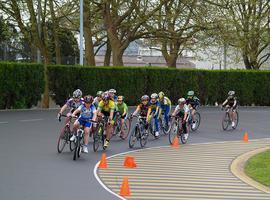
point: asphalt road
(31, 168)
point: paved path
(31, 168)
(192, 172)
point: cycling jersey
(86, 114)
(154, 106)
(143, 109)
(194, 102)
(165, 101)
(73, 105)
(121, 108)
(106, 109)
(183, 110)
(231, 101)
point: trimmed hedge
(132, 82)
(21, 84)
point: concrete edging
(238, 168)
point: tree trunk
(89, 47)
(55, 33)
(46, 98)
(171, 61)
(107, 58)
(247, 62)
(117, 57)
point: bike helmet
(231, 93)
(145, 98)
(154, 96)
(77, 93)
(120, 98)
(190, 93)
(112, 91)
(181, 101)
(88, 99)
(99, 93)
(106, 97)
(161, 95)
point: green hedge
(21, 84)
(132, 82)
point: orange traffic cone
(125, 191)
(130, 162)
(103, 162)
(245, 138)
(175, 143)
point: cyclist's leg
(156, 123)
(86, 133)
(166, 114)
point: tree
(244, 25)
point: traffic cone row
(129, 162)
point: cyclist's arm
(149, 113)
(185, 116)
(137, 110)
(225, 102)
(78, 110)
(175, 111)
(235, 103)
(64, 107)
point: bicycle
(177, 131)
(227, 121)
(139, 132)
(117, 127)
(64, 137)
(99, 134)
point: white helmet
(77, 93)
(231, 93)
(112, 91)
(154, 96)
(181, 101)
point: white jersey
(185, 109)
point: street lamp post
(81, 32)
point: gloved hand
(59, 116)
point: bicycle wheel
(77, 148)
(125, 132)
(173, 132)
(197, 119)
(226, 121)
(236, 120)
(133, 136)
(97, 137)
(63, 139)
(161, 125)
(143, 137)
(184, 138)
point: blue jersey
(154, 106)
(87, 114)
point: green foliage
(21, 85)
(258, 167)
(132, 82)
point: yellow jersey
(110, 107)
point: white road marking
(3, 122)
(30, 120)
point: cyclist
(166, 105)
(153, 111)
(193, 102)
(182, 110)
(87, 112)
(112, 93)
(142, 107)
(231, 103)
(71, 104)
(122, 109)
(98, 98)
(106, 108)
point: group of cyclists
(106, 105)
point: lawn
(258, 168)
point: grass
(258, 168)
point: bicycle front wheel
(77, 148)
(226, 121)
(97, 137)
(133, 136)
(173, 132)
(197, 120)
(62, 140)
(143, 138)
(236, 119)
